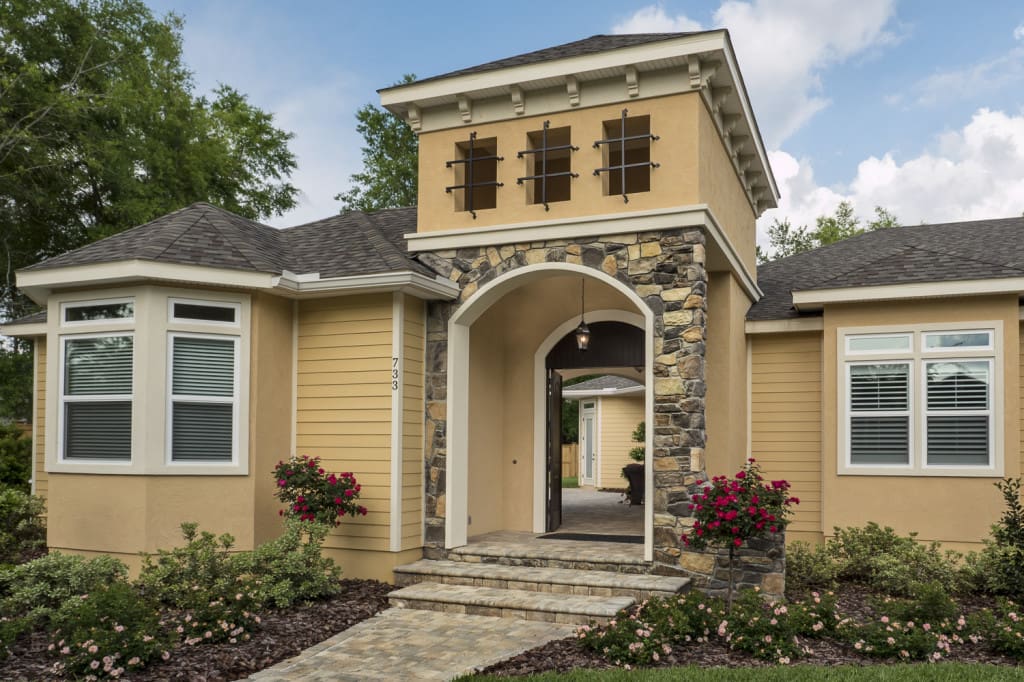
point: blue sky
(914, 105)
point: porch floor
(512, 544)
(587, 510)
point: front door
(588, 444)
(554, 482)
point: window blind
(958, 421)
(97, 400)
(203, 395)
(880, 414)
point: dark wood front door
(554, 482)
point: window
(925, 402)
(203, 401)
(476, 174)
(96, 397)
(122, 310)
(201, 311)
(626, 149)
(548, 165)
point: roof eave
(24, 331)
(811, 300)
(602, 392)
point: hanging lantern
(582, 331)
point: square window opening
(548, 166)
(626, 155)
(476, 174)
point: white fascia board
(24, 330)
(799, 324)
(816, 299)
(693, 215)
(602, 392)
(38, 284)
(412, 283)
(469, 83)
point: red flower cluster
(311, 494)
(732, 511)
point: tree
(101, 130)
(785, 240)
(390, 161)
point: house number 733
(394, 374)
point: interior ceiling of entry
(633, 373)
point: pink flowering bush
(1002, 628)
(779, 631)
(311, 494)
(107, 633)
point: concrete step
(506, 603)
(586, 556)
(541, 579)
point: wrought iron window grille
(470, 185)
(544, 175)
(621, 140)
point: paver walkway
(407, 644)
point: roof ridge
(388, 251)
(184, 231)
(273, 233)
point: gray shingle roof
(602, 383)
(578, 48)
(947, 252)
(343, 245)
(34, 318)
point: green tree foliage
(16, 382)
(571, 411)
(785, 240)
(101, 130)
(15, 457)
(390, 161)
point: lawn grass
(923, 672)
(570, 482)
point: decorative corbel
(517, 100)
(465, 108)
(738, 142)
(729, 122)
(572, 88)
(413, 116)
(695, 76)
(743, 161)
(632, 81)
(718, 97)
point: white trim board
(397, 417)
(803, 324)
(816, 299)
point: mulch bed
(283, 634)
(565, 655)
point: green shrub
(999, 567)
(287, 570)
(891, 563)
(1002, 628)
(33, 592)
(108, 632)
(211, 600)
(22, 530)
(766, 630)
(809, 567)
(15, 457)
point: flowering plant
(312, 494)
(728, 512)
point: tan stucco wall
(726, 376)
(39, 421)
(344, 404)
(721, 190)
(957, 511)
(414, 327)
(501, 419)
(786, 420)
(673, 118)
(270, 405)
(617, 417)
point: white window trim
(171, 398)
(172, 319)
(987, 349)
(925, 412)
(150, 329)
(62, 400)
(918, 357)
(107, 321)
(909, 413)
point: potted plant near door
(634, 473)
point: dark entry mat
(594, 537)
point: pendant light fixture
(582, 331)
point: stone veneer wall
(667, 270)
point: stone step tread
(523, 600)
(555, 552)
(559, 576)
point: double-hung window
(920, 401)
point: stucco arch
(458, 389)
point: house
(610, 408)
(610, 185)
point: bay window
(920, 401)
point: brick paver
(406, 644)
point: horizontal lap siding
(343, 404)
(618, 417)
(39, 420)
(785, 415)
(412, 423)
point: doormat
(594, 537)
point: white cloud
(1018, 33)
(969, 82)
(784, 47)
(653, 19)
(975, 172)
